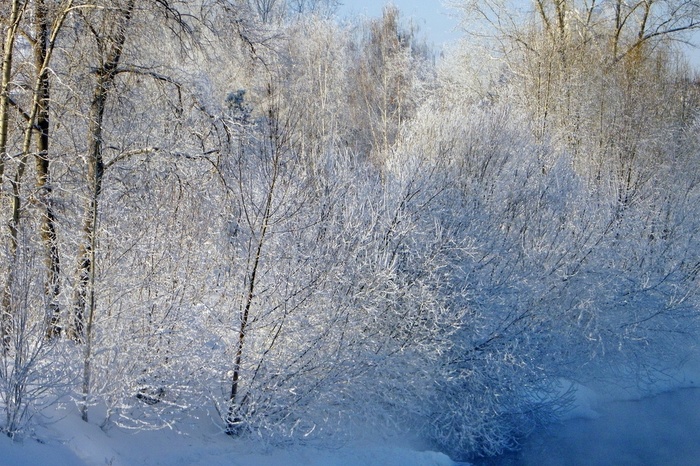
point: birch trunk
(80, 328)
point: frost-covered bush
(551, 277)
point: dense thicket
(245, 208)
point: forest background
(249, 211)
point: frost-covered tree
(306, 227)
(552, 270)
(386, 78)
(604, 80)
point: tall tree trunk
(8, 51)
(39, 105)
(43, 176)
(84, 300)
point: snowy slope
(606, 427)
(660, 430)
(656, 431)
(71, 442)
(623, 424)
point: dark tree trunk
(80, 328)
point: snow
(31, 453)
(68, 441)
(623, 423)
(608, 425)
(658, 430)
(605, 427)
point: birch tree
(11, 26)
(596, 77)
(36, 121)
(387, 76)
(43, 48)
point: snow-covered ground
(70, 442)
(607, 427)
(660, 430)
(623, 424)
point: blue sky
(437, 22)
